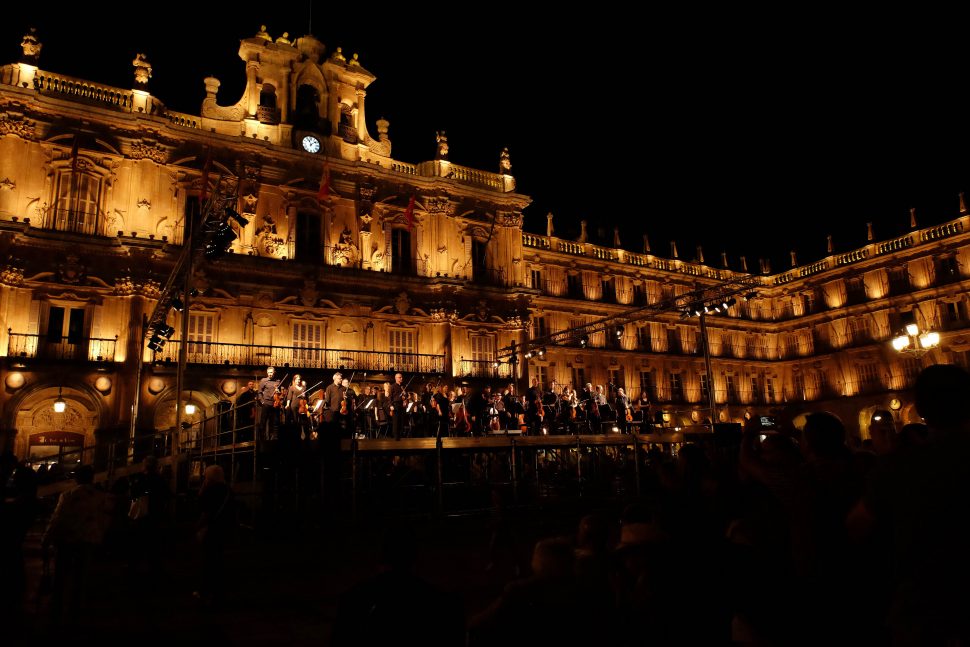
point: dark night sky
(709, 129)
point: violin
(629, 415)
(523, 427)
(462, 423)
(302, 409)
(279, 398)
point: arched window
(307, 113)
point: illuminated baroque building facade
(382, 265)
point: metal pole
(183, 355)
(707, 367)
(139, 367)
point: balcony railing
(95, 349)
(302, 357)
(486, 276)
(74, 221)
(485, 368)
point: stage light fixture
(232, 213)
(178, 304)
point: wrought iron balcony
(485, 368)
(301, 357)
(27, 346)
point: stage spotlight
(164, 330)
(178, 304)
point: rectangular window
(639, 295)
(402, 349)
(705, 388)
(647, 384)
(860, 329)
(616, 378)
(732, 388)
(76, 204)
(579, 377)
(542, 373)
(770, 388)
(308, 237)
(899, 280)
(540, 327)
(574, 286)
(402, 257)
(868, 376)
(200, 333)
(609, 291)
(65, 322)
(947, 269)
(676, 388)
(799, 385)
(755, 390)
(483, 348)
(644, 341)
(911, 368)
(536, 279)
(855, 290)
(673, 341)
(307, 342)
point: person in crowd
(149, 515)
(77, 526)
(214, 529)
(245, 412)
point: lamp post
(916, 342)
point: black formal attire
(269, 416)
(397, 401)
(245, 414)
(441, 416)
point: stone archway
(165, 415)
(43, 434)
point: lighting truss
(689, 301)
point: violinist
(269, 416)
(623, 413)
(534, 411)
(296, 390)
(642, 407)
(348, 406)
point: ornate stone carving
(309, 294)
(13, 123)
(251, 171)
(11, 275)
(365, 221)
(262, 33)
(144, 204)
(151, 289)
(143, 70)
(249, 203)
(482, 310)
(504, 163)
(31, 47)
(147, 149)
(124, 286)
(442, 139)
(6, 184)
(439, 205)
(346, 253)
(402, 304)
(71, 271)
(509, 219)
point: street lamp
(60, 405)
(916, 342)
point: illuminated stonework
(353, 259)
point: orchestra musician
(332, 397)
(396, 396)
(441, 411)
(622, 407)
(349, 407)
(268, 419)
(246, 403)
(534, 412)
(642, 407)
(383, 410)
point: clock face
(311, 144)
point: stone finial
(794, 259)
(700, 254)
(912, 218)
(963, 203)
(338, 55)
(354, 61)
(744, 263)
(442, 139)
(211, 87)
(646, 244)
(583, 236)
(869, 235)
(143, 70)
(284, 39)
(262, 33)
(724, 261)
(673, 249)
(382, 126)
(505, 164)
(616, 237)
(31, 46)
(549, 227)
(829, 247)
